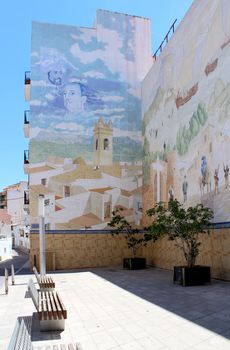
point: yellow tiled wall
(214, 252)
(104, 250)
(82, 250)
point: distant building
(17, 204)
(5, 235)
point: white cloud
(86, 37)
(38, 103)
(117, 117)
(126, 69)
(76, 128)
(105, 112)
(50, 97)
(34, 54)
(86, 56)
(133, 135)
(94, 74)
(40, 83)
(112, 98)
(53, 59)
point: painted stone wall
(186, 120)
(85, 119)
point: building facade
(88, 91)
(186, 92)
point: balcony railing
(26, 117)
(26, 126)
(26, 198)
(27, 86)
(165, 40)
(26, 157)
(27, 77)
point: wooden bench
(51, 310)
(46, 283)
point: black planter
(134, 263)
(191, 276)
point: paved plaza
(126, 310)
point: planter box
(191, 276)
(134, 263)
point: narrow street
(20, 260)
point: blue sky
(15, 35)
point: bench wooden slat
(49, 308)
(44, 306)
(39, 306)
(44, 281)
(58, 306)
(53, 305)
(64, 311)
(48, 281)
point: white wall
(5, 248)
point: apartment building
(17, 209)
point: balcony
(26, 126)
(26, 161)
(26, 201)
(27, 86)
(3, 200)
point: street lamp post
(42, 239)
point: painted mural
(85, 120)
(186, 120)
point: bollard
(12, 273)
(6, 281)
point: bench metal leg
(52, 325)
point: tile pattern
(121, 310)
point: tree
(180, 225)
(122, 226)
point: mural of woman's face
(73, 99)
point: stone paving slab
(126, 310)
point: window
(67, 191)
(44, 182)
(46, 202)
(106, 144)
(96, 144)
(47, 226)
(210, 147)
(139, 206)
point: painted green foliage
(185, 135)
